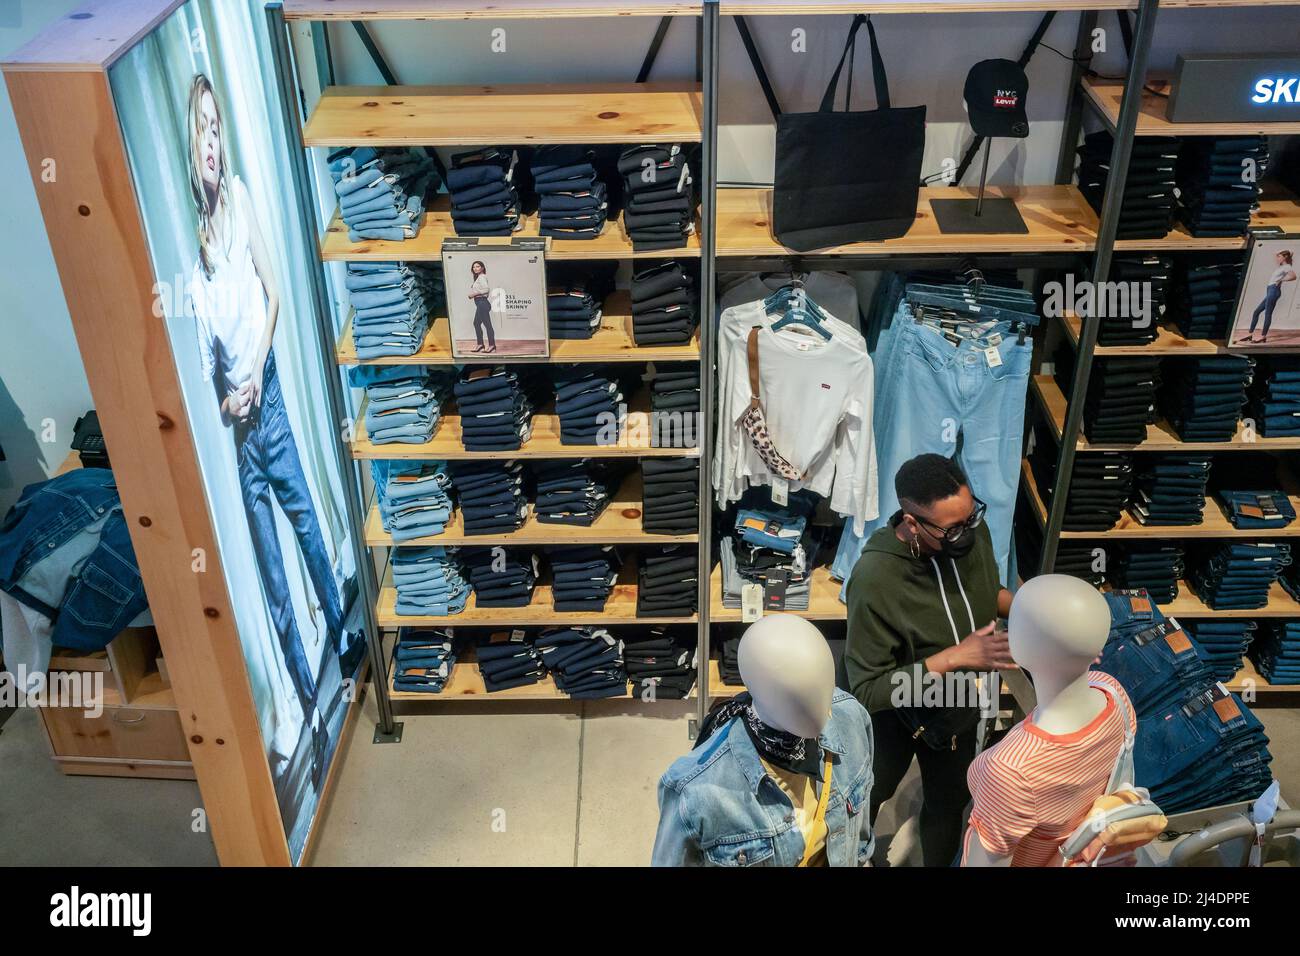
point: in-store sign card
(751, 603)
(774, 589)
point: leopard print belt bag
(755, 423)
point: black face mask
(959, 548)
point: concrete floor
(472, 785)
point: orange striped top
(1033, 788)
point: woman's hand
(983, 650)
(254, 386)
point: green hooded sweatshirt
(903, 609)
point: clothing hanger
(798, 309)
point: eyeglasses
(955, 533)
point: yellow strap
(819, 818)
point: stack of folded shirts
(491, 496)
(1121, 398)
(1237, 575)
(1079, 559)
(1155, 568)
(668, 581)
(572, 201)
(393, 304)
(1170, 490)
(496, 406)
(575, 298)
(729, 663)
(1222, 644)
(574, 491)
(663, 305)
(661, 661)
(670, 489)
(1147, 211)
(382, 193)
(675, 405)
(1203, 296)
(591, 404)
(485, 198)
(422, 659)
(506, 660)
(1276, 652)
(501, 577)
(659, 211)
(412, 496)
(1202, 398)
(1218, 183)
(1100, 486)
(1252, 510)
(583, 576)
(586, 662)
(1145, 272)
(403, 402)
(428, 581)
(1275, 399)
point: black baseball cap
(995, 94)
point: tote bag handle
(877, 68)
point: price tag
(780, 491)
(774, 590)
(993, 357)
(751, 603)
(517, 636)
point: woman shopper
(923, 600)
(236, 302)
(1272, 292)
(481, 294)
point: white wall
(42, 383)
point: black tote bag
(847, 177)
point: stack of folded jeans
(670, 489)
(1203, 297)
(501, 577)
(491, 495)
(382, 193)
(1218, 183)
(1276, 652)
(668, 581)
(393, 304)
(675, 405)
(1121, 398)
(1147, 272)
(1080, 560)
(662, 660)
(1275, 399)
(1100, 486)
(1237, 575)
(496, 406)
(583, 576)
(1197, 745)
(1221, 644)
(1252, 510)
(1170, 490)
(485, 197)
(412, 496)
(575, 298)
(1147, 211)
(1155, 568)
(422, 659)
(591, 403)
(403, 402)
(586, 662)
(1203, 398)
(429, 581)
(574, 491)
(506, 660)
(663, 305)
(729, 663)
(659, 208)
(573, 203)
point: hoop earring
(915, 547)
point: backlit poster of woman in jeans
(1285, 272)
(236, 304)
(482, 296)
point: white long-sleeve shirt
(817, 399)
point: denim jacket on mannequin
(718, 806)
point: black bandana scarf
(782, 748)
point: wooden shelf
(447, 444)
(1188, 605)
(1275, 209)
(754, 8)
(1160, 436)
(1105, 95)
(1168, 341)
(1058, 217)
(485, 9)
(1249, 679)
(620, 608)
(525, 115)
(619, 523)
(613, 243)
(612, 342)
(1215, 524)
(823, 600)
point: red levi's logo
(1006, 99)
(825, 386)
